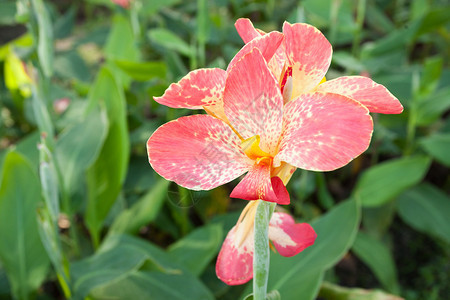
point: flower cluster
(270, 112)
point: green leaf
(121, 43)
(143, 212)
(383, 182)
(431, 75)
(197, 249)
(126, 267)
(7, 12)
(21, 251)
(378, 258)
(431, 108)
(106, 176)
(336, 292)
(303, 273)
(78, 147)
(426, 209)
(437, 146)
(170, 41)
(142, 71)
(151, 7)
(154, 285)
(434, 19)
(45, 37)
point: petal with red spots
(323, 131)
(246, 30)
(258, 184)
(197, 152)
(202, 87)
(288, 237)
(308, 53)
(235, 260)
(253, 102)
(374, 96)
(267, 44)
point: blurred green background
(82, 213)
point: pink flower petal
(267, 44)
(235, 261)
(246, 30)
(253, 102)
(309, 54)
(258, 184)
(197, 152)
(374, 96)
(202, 87)
(323, 131)
(289, 238)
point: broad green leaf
(154, 285)
(431, 108)
(144, 211)
(106, 176)
(45, 37)
(432, 71)
(170, 41)
(336, 232)
(104, 267)
(346, 60)
(333, 291)
(438, 146)
(142, 71)
(196, 250)
(272, 295)
(21, 251)
(150, 7)
(7, 12)
(71, 66)
(434, 19)
(378, 258)
(78, 147)
(121, 43)
(126, 267)
(426, 209)
(383, 182)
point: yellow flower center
(251, 148)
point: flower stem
(261, 257)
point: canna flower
(270, 112)
(235, 261)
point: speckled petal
(309, 54)
(253, 102)
(258, 184)
(202, 87)
(267, 44)
(246, 30)
(288, 237)
(197, 152)
(323, 131)
(235, 260)
(374, 96)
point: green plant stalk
(360, 14)
(412, 117)
(261, 256)
(334, 11)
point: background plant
(84, 214)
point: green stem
(261, 257)
(360, 14)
